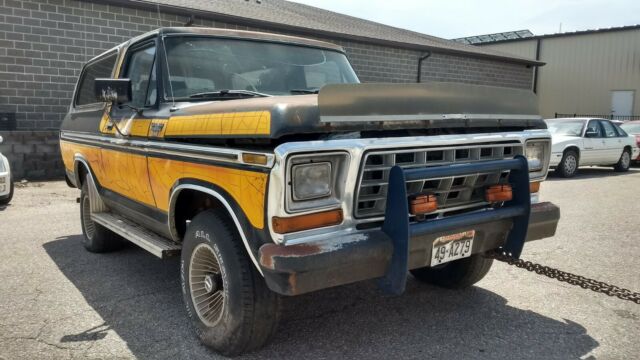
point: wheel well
(81, 173)
(189, 204)
(574, 148)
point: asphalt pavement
(59, 301)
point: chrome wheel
(206, 284)
(87, 223)
(625, 160)
(570, 164)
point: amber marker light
(305, 222)
(498, 193)
(258, 159)
(423, 204)
(534, 187)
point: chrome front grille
(453, 193)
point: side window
(594, 126)
(621, 133)
(98, 69)
(609, 130)
(141, 72)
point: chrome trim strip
(158, 147)
(367, 118)
(171, 224)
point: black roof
(310, 21)
(566, 34)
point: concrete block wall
(44, 43)
(33, 155)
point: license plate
(452, 247)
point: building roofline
(187, 12)
(565, 34)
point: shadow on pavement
(591, 173)
(138, 296)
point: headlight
(315, 181)
(537, 153)
(2, 168)
(311, 181)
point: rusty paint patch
(270, 251)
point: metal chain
(563, 276)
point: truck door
(125, 165)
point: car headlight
(2, 168)
(311, 181)
(537, 153)
(315, 181)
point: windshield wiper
(304, 91)
(228, 94)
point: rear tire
(624, 162)
(227, 300)
(97, 238)
(5, 200)
(458, 274)
(568, 166)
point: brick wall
(43, 44)
(33, 155)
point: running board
(150, 241)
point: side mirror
(113, 90)
(1, 139)
(591, 133)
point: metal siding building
(591, 72)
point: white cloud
(458, 18)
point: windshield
(564, 127)
(198, 65)
(631, 128)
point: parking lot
(59, 301)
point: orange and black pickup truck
(264, 164)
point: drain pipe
(422, 58)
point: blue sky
(456, 18)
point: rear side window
(609, 130)
(621, 133)
(96, 70)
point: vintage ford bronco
(262, 161)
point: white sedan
(6, 185)
(588, 141)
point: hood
(561, 139)
(362, 107)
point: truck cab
(264, 164)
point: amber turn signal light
(258, 159)
(423, 204)
(534, 187)
(305, 222)
(498, 193)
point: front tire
(568, 166)
(457, 274)
(227, 300)
(624, 162)
(97, 238)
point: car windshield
(631, 128)
(564, 127)
(201, 65)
